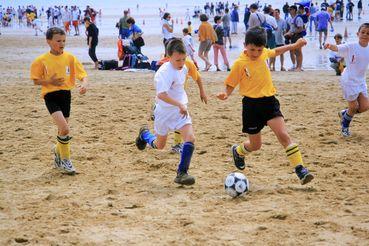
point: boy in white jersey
(171, 110)
(353, 77)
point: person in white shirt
(190, 47)
(167, 28)
(337, 61)
(171, 111)
(75, 20)
(353, 81)
(66, 18)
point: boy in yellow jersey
(56, 72)
(259, 105)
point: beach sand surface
(123, 196)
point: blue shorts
(227, 31)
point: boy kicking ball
(260, 107)
(56, 72)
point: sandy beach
(122, 196)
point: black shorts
(58, 101)
(296, 37)
(256, 112)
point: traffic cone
(345, 35)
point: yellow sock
(241, 150)
(294, 155)
(64, 146)
(177, 138)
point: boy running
(171, 111)
(260, 107)
(352, 80)
(56, 72)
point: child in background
(189, 27)
(353, 81)
(188, 42)
(337, 61)
(171, 111)
(37, 23)
(56, 72)
(260, 107)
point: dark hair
(204, 17)
(87, 19)
(256, 36)
(166, 15)
(52, 31)
(175, 45)
(185, 30)
(226, 10)
(364, 25)
(130, 20)
(189, 23)
(277, 10)
(266, 10)
(216, 18)
(254, 6)
(293, 7)
(338, 35)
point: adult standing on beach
(246, 17)
(279, 38)
(167, 28)
(207, 37)
(92, 39)
(226, 19)
(123, 26)
(359, 8)
(295, 32)
(235, 19)
(75, 20)
(323, 18)
(256, 18)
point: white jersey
(170, 80)
(357, 60)
(188, 42)
(166, 33)
(66, 15)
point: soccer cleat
(140, 143)
(345, 132)
(177, 149)
(66, 165)
(303, 173)
(57, 159)
(239, 161)
(184, 179)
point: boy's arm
(166, 98)
(53, 81)
(225, 94)
(203, 96)
(280, 50)
(83, 86)
(331, 47)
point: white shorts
(169, 119)
(351, 92)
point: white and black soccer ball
(236, 184)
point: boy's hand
(56, 81)
(300, 42)
(183, 110)
(203, 97)
(82, 88)
(222, 96)
(327, 46)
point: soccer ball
(236, 184)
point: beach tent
(305, 3)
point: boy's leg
(146, 137)
(216, 51)
(239, 151)
(62, 149)
(188, 148)
(282, 62)
(346, 116)
(363, 103)
(278, 126)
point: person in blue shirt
(234, 19)
(135, 33)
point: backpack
(108, 64)
(129, 61)
(303, 32)
(268, 28)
